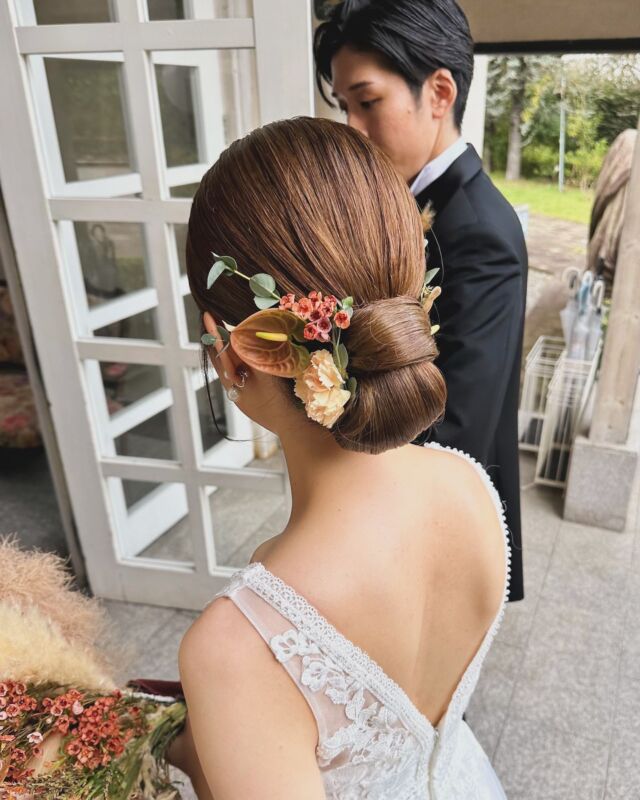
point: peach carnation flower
(320, 387)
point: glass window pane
(180, 232)
(157, 522)
(175, 9)
(65, 12)
(194, 324)
(124, 384)
(213, 429)
(140, 326)
(136, 490)
(207, 99)
(89, 113)
(113, 259)
(187, 190)
(175, 95)
(150, 439)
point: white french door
(113, 110)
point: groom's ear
(443, 92)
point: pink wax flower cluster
(320, 313)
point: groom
(401, 73)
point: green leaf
(262, 285)
(228, 261)
(347, 303)
(224, 265)
(208, 339)
(352, 385)
(265, 302)
(223, 333)
(215, 272)
(341, 359)
(431, 275)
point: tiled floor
(558, 705)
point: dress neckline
(299, 611)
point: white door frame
(38, 205)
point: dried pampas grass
(35, 579)
(49, 631)
(33, 650)
(427, 216)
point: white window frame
(42, 207)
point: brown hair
(317, 206)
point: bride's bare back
(415, 577)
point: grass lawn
(543, 197)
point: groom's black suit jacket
(478, 243)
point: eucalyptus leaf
(215, 272)
(266, 302)
(228, 261)
(208, 339)
(262, 285)
(223, 333)
(352, 385)
(347, 303)
(431, 274)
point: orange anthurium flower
(265, 341)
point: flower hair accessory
(278, 341)
(430, 294)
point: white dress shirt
(434, 169)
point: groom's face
(379, 103)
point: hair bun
(389, 334)
(400, 391)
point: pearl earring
(234, 392)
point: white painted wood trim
(136, 413)
(276, 66)
(123, 307)
(120, 210)
(201, 34)
(39, 259)
(54, 287)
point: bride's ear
(221, 355)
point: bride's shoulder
(461, 478)
(223, 649)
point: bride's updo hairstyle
(315, 205)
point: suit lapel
(443, 188)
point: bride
(339, 663)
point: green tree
(509, 85)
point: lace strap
(289, 646)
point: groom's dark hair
(414, 37)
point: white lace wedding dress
(374, 744)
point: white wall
(473, 122)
